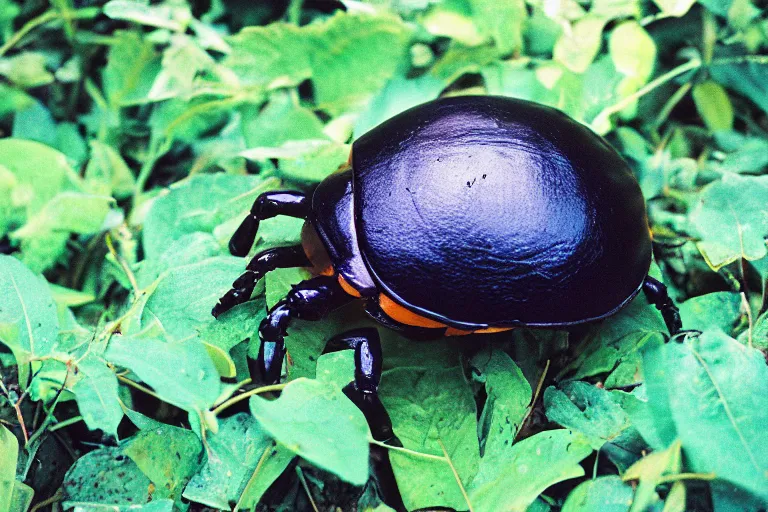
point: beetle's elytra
(462, 215)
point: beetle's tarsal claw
(242, 240)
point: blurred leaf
(317, 422)
(503, 22)
(342, 47)
(602, 494)
(577, 48)
(181, 373)
(729, 218)
(431, 408)
(748, 78)
(713, 105)
(160, 16)
(233, 455)
(280, 121)
(676, 7)
(277, 55)
(28, 321)
(107, 166)
(132, 67)
(9, 451)
(743, 154)
(26, 70)
(632, 50)
(514, 480)
(718, 310)
(714, 414)
(96, 395)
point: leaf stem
(650, 86)
(687, 476)
(252, 479)
(456, 476)
(138, 386)
(406, 450)
(44, 18)
(303, 481)
(239, 398)
(65, 423)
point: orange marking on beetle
(348, 288)
(487, 330)
(405, 316)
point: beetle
(469, 214)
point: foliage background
(135, 137)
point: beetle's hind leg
(266, 206)
(263, 262)
(657, 294)
(312, 299)
(364, 389)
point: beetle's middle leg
(263, 262)
(657, 294)
(312, 299)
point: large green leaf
(28, 321)
(232, 468)
(718, 418)
(433, 412)
(314, 420)
(96, 395)
(730, 221)
(603, 494)
(9, 451)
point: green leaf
(713, 105)
(26, 70)
(107, 166)
(502, 22)
(431, 409)
(181, 373)
(160, 16)
(22, 497)
(715, 415)
(341, 60)
(729, 218)
(183, 297)
(649, 471)
(279, 282)
(277, 55)
(232, 459)
(28, 316)
(603, 494)
(508, 396)
(577, 48)
(586, 409)
(9, 451)
(718, 310)
(96, 395)
(85, 485)
(200, 203)
(171, 468)
(132, 67)
(632, 50)
(314, 420)
(512, 481)
(749, 79)
(674, 7)
(280, 121)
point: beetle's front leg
(312, 299)
(657, 294)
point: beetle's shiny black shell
(489, 211)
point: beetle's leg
(263, 262)
(657, 295)
(364, 389)
(266, 206)
(312, 299)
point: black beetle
(463, 215)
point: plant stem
(44, 18)
(239, 398)
(409, 452)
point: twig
(58, 496)
(535, 397)
(252, 479)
